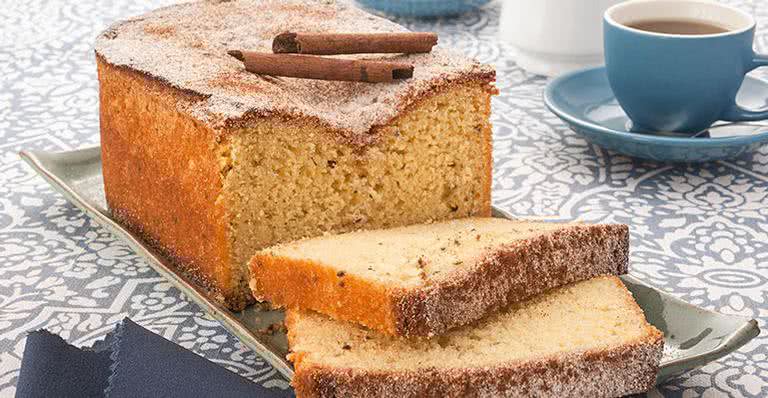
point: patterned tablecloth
(698, 231)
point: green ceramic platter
(692, 336)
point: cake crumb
(272, 328)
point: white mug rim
(608, 17)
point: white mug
(552, 37)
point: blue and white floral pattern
(699, 232)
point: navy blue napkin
(130, 362)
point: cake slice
(587, 339)
(208, 163)
(422, 280)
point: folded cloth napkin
(130, 362)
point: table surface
(699, 232)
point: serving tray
(693, 336)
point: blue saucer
(584, 100)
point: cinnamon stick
(310, 67)
(353, 43)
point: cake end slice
(423, 280)
(586, 339)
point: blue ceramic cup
(679, 82)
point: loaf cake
(422, 280)
(209, 163)
(587, 339)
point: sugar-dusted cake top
(186, 46)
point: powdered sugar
(186, 46)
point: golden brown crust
(512, 273)
(609, 372)
(336, 294)
(160, 166)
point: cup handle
(739, 114)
